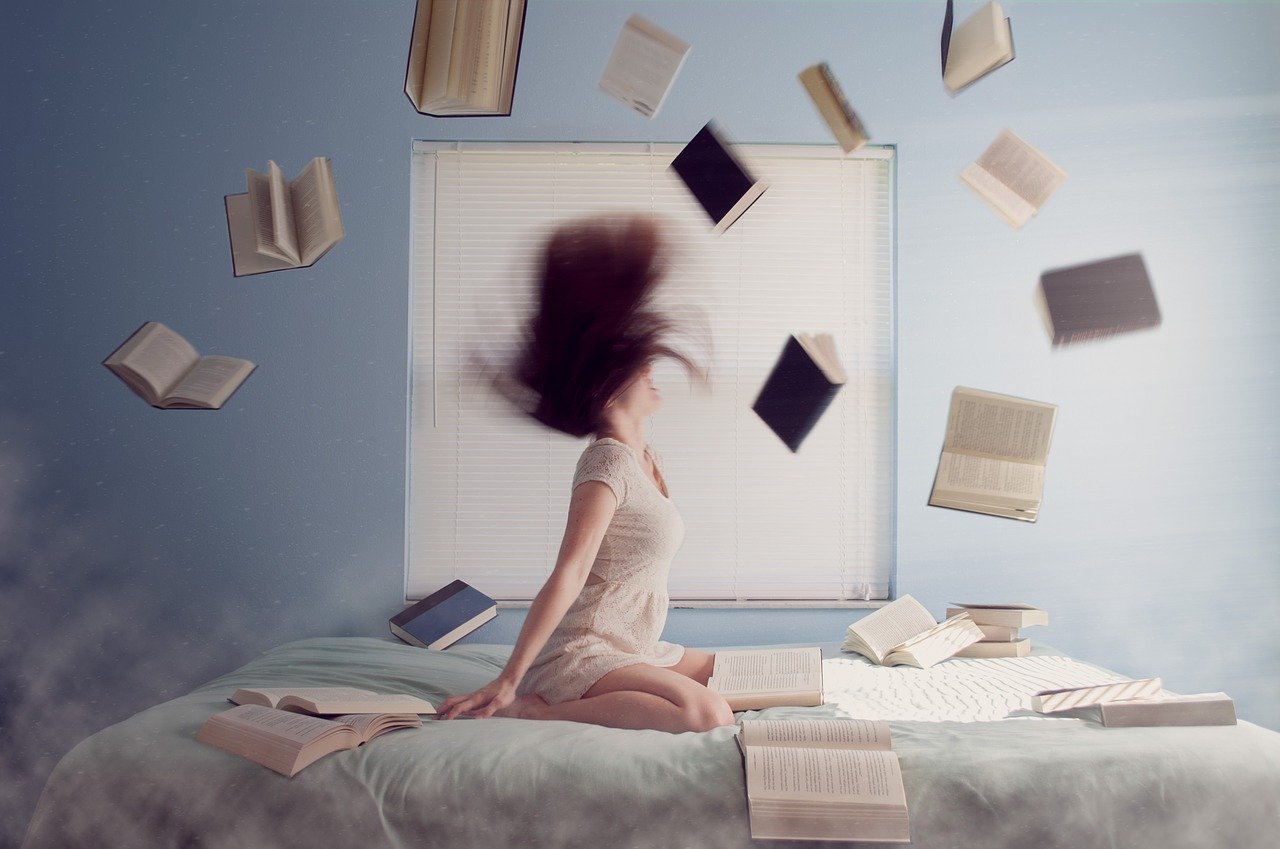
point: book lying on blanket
(444, 617)
(803, 383)
(1166, 709)
(834, 108)
(281, 223)
(1068, 698)
(463, 56)
(716, 178)
(643, 65)
(903, 633)
(753, 679)
(1014, 178)
(162, 368)
(977, 47)
(331, 700)
(288, 742)
(825, 779)
(994, 454)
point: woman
(589, 648)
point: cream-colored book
(1014, 178)
(997, 648)
(993, 617)
(643, 65)
(331, 700)
(835, 110)
(1069, 698)
(463, 56)
(280, 224)
(829, 779)
(289, 742)
(993, 458)
(753, 679)
(977, 47)
(163, 369)
(1168, 709)
(903, 633)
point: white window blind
(488, 488)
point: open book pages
(279, 224)
(643, 65)
(1014, 178)
(977, 47)
(821, 348)
(162, 367)
(904, 633)
(834, 108)
(331, 700)
(816, 733)
(752, 679)
(1052, 701)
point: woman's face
(639, 398)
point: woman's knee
(709, 710)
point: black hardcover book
(1099, 299)
(444, 617)
(801, 386)
(716, 178)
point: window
(488, 487)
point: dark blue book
(716, 178)
(444, 617)
(801, 386)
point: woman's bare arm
(591, 510)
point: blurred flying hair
(595, 325)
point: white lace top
(617, 618)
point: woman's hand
(494, 696)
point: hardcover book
(803, 383)
(1166, 709)
(835, 110)
(162, 368)
(1099, 299)
(643, 66)
(715, 177)
(981, 44)
(823, 779)
(997, 648)
(280, 224)
(444, 617)
(753, 679)
(322, 701)
(463, 56)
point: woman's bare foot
(528, 706)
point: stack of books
(1001, 626)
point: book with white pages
(980, 45)
(163, 369)
(1011, 615)
(1069, 698)
(1014, 178)
(643, 65)
(904, 633)
(280, 224)
(1166, 709)
(753, 679)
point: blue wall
(142, 552)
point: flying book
(321, 701)
(1099, 299)
(716, 178)
(164, 370)
(1014, 178)
(753, 679)
(1166, 709)
(289, 742)
(803, 383)
(827, 96)
(280, 224)
(903, 633)
(643, 65)
(463, 56)
(1068, 698)
(444, 617)
(994, 455)
(981, 44)
(823, 779)
(1012, 615)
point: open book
(803, 383)
(751, 679)
(977, 47)
(289, 742)
(1014, 178)
(331, 700)
(281, 223)
(994, 455)
(643, 65)
(825, 779)
(826, 94)
(463, 56)
(164, 370)
(903, 633)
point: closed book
(977, 47)
(1099, 299)
(1170, 709)
(1052, 701)
(444, 617)
(997, 648)
(834, 108)
(715, 177)
(803, 383)
(997, 633)
(1013, 615)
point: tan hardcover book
(993, 458)
(1069, 698)
(331, 700)
(903, 633)
(162, 368)
(752, 679)
(828, 779)
(280, 224)
(463, 56)
(1002, 648)
(1012, 615)
(1014, 178)
(835, 110)
(289, 742)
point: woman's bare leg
(638, 696)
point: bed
(979, 770)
